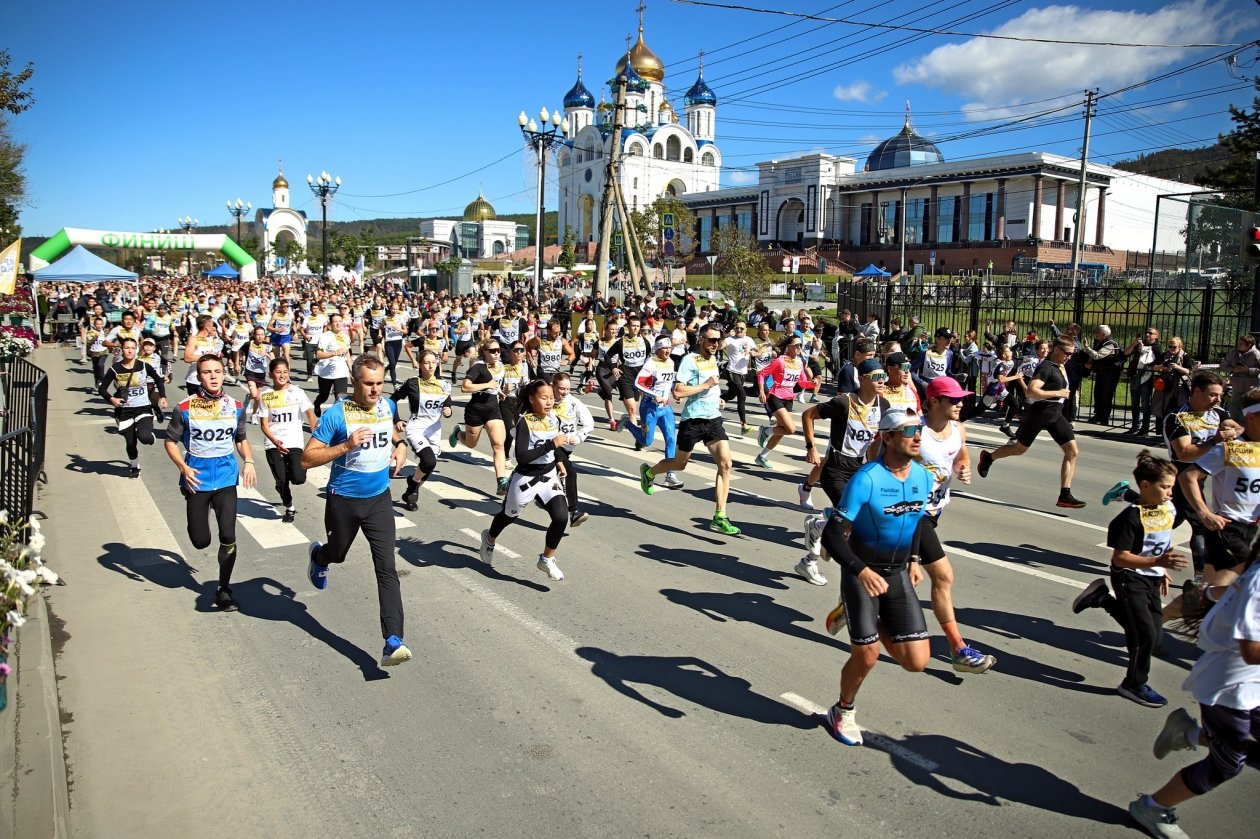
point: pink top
(787, 373)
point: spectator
(1106, 360)
(1143, 354)
(1242, 365)
(871, 328)
(847, 331)
(1172, 380)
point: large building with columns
(965, 214)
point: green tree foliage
(15, 97)
(345, 247)
(1237, 176)
(1188, 165)
(647, 226)
(568, 252)
(746, 276)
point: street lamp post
(188, 224)
(161, 231)
(541, 142)
(324, 187)
(237, 210)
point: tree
(647, 226)
(1237, 176)
(745, 274)
(14, 98)
(568, 253)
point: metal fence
(1209, 318)
(23, 428)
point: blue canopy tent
(222, 270)
(83, 266)
(871, 271)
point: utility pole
(1255, 287)
(610, 181)
(1090, 101)
(637, 259)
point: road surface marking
(880, 741)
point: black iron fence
(1209, 318)
(23, 429)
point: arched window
(564, 160)
(658, 151)
(706, 159)
(635, 149)
(636, 183)
(673, 148)
(688, 156)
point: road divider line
(1061, 519)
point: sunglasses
(953, 400)
(905, 366)
(517, 349)
(712, 340)
(493, 349)
(876, 377)
(906, 431)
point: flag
(358, 266)
(9, 267)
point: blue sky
(150, 111)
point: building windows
(673, 148)
(706, 233)
(706, 159)
(688, 156)
(658, 151)
(743, 220)
(636, 183)
(947, 213)
(868, 216)
(980, 218)
(915, 210)
(792, 175)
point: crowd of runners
(384, 364)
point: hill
(1188, 165)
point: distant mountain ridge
(1188, 165)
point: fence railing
(23, 434)
(1209, 318)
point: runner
(1047, 390)
(537, 475)
(605, 381)
(1225, 681)
(484, 409)
(126, 329)
(872, 537)
(357, 436)
(205, 342)
(698, 382)
(207, 426)
(283, 407)
(465, 330)
(395, 326)
(130, 381)
(943, 450)
(313, 326)
(656, 383)
(848, 450)
(899, 390)
(149, 355)
(550, 352)
(332, 365)
(95, 349)
(788, 371)
(281, 328)
(628, 355)
(587, 345)
(1140, 538)
(739, 349)
(423, 429)
(576, 425)
(257, 359)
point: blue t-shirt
(884, 510)
(209, 428)
(364, 472)
(692, 371)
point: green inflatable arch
(68, 237)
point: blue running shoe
(318, 574)
(1115, 493)
(395, 652)
(1144, 695)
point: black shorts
(604, 380)
(833, 480)
(478, 414)
(625, 385)
(705, 431)
(930, 548)
(1230, 547)
(259, 379)
(897, 609)
(462, 347)
(1050, 418)
(774, 403)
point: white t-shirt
(284, 410)
(336, 366)
(738, 353)
(1220, 676)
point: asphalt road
(669, 686)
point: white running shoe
(808, 569)
(487, 549)
(671, 481)
(802, 495)
(842, 723)
(548, 566)
(813, 534)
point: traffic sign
(617, 240)
(669, 248)
(931, 256)
(279, 261)
(667, 219)
(669, 234)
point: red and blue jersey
(209, 427)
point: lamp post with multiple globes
(188, 224)
(238, 210)
(541, 141)
(324, 187)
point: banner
(9, 267)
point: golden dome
(479, 210)
(644, 61)
(280, 182)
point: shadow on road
(453, 555)
(692, 680)
(79, 463)
(993, 780)
(751, 607)
(726, 564)
(1036, 556)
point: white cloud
(1004, 74)
(736, 177)
(858, 92)
(869, 140)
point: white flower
(47, 575)
(24, 587)
(15, 618)
(33, 524)
(4, 516)
(37, 542)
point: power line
(952, 33)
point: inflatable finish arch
(68, 237)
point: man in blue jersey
(360, 438)
(203, 439)
(872, 536)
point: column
(1035, 230)
(1000, 231)
(876, 215)
(1102, 216)
(929, 218)
(964, 221)
(1058, 213)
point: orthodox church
(661, 154)
(480, 234)
(279, 223)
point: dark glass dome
(700, 93)
(579, 96)
(905, 148)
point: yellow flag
(9, 267)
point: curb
(41, 800)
